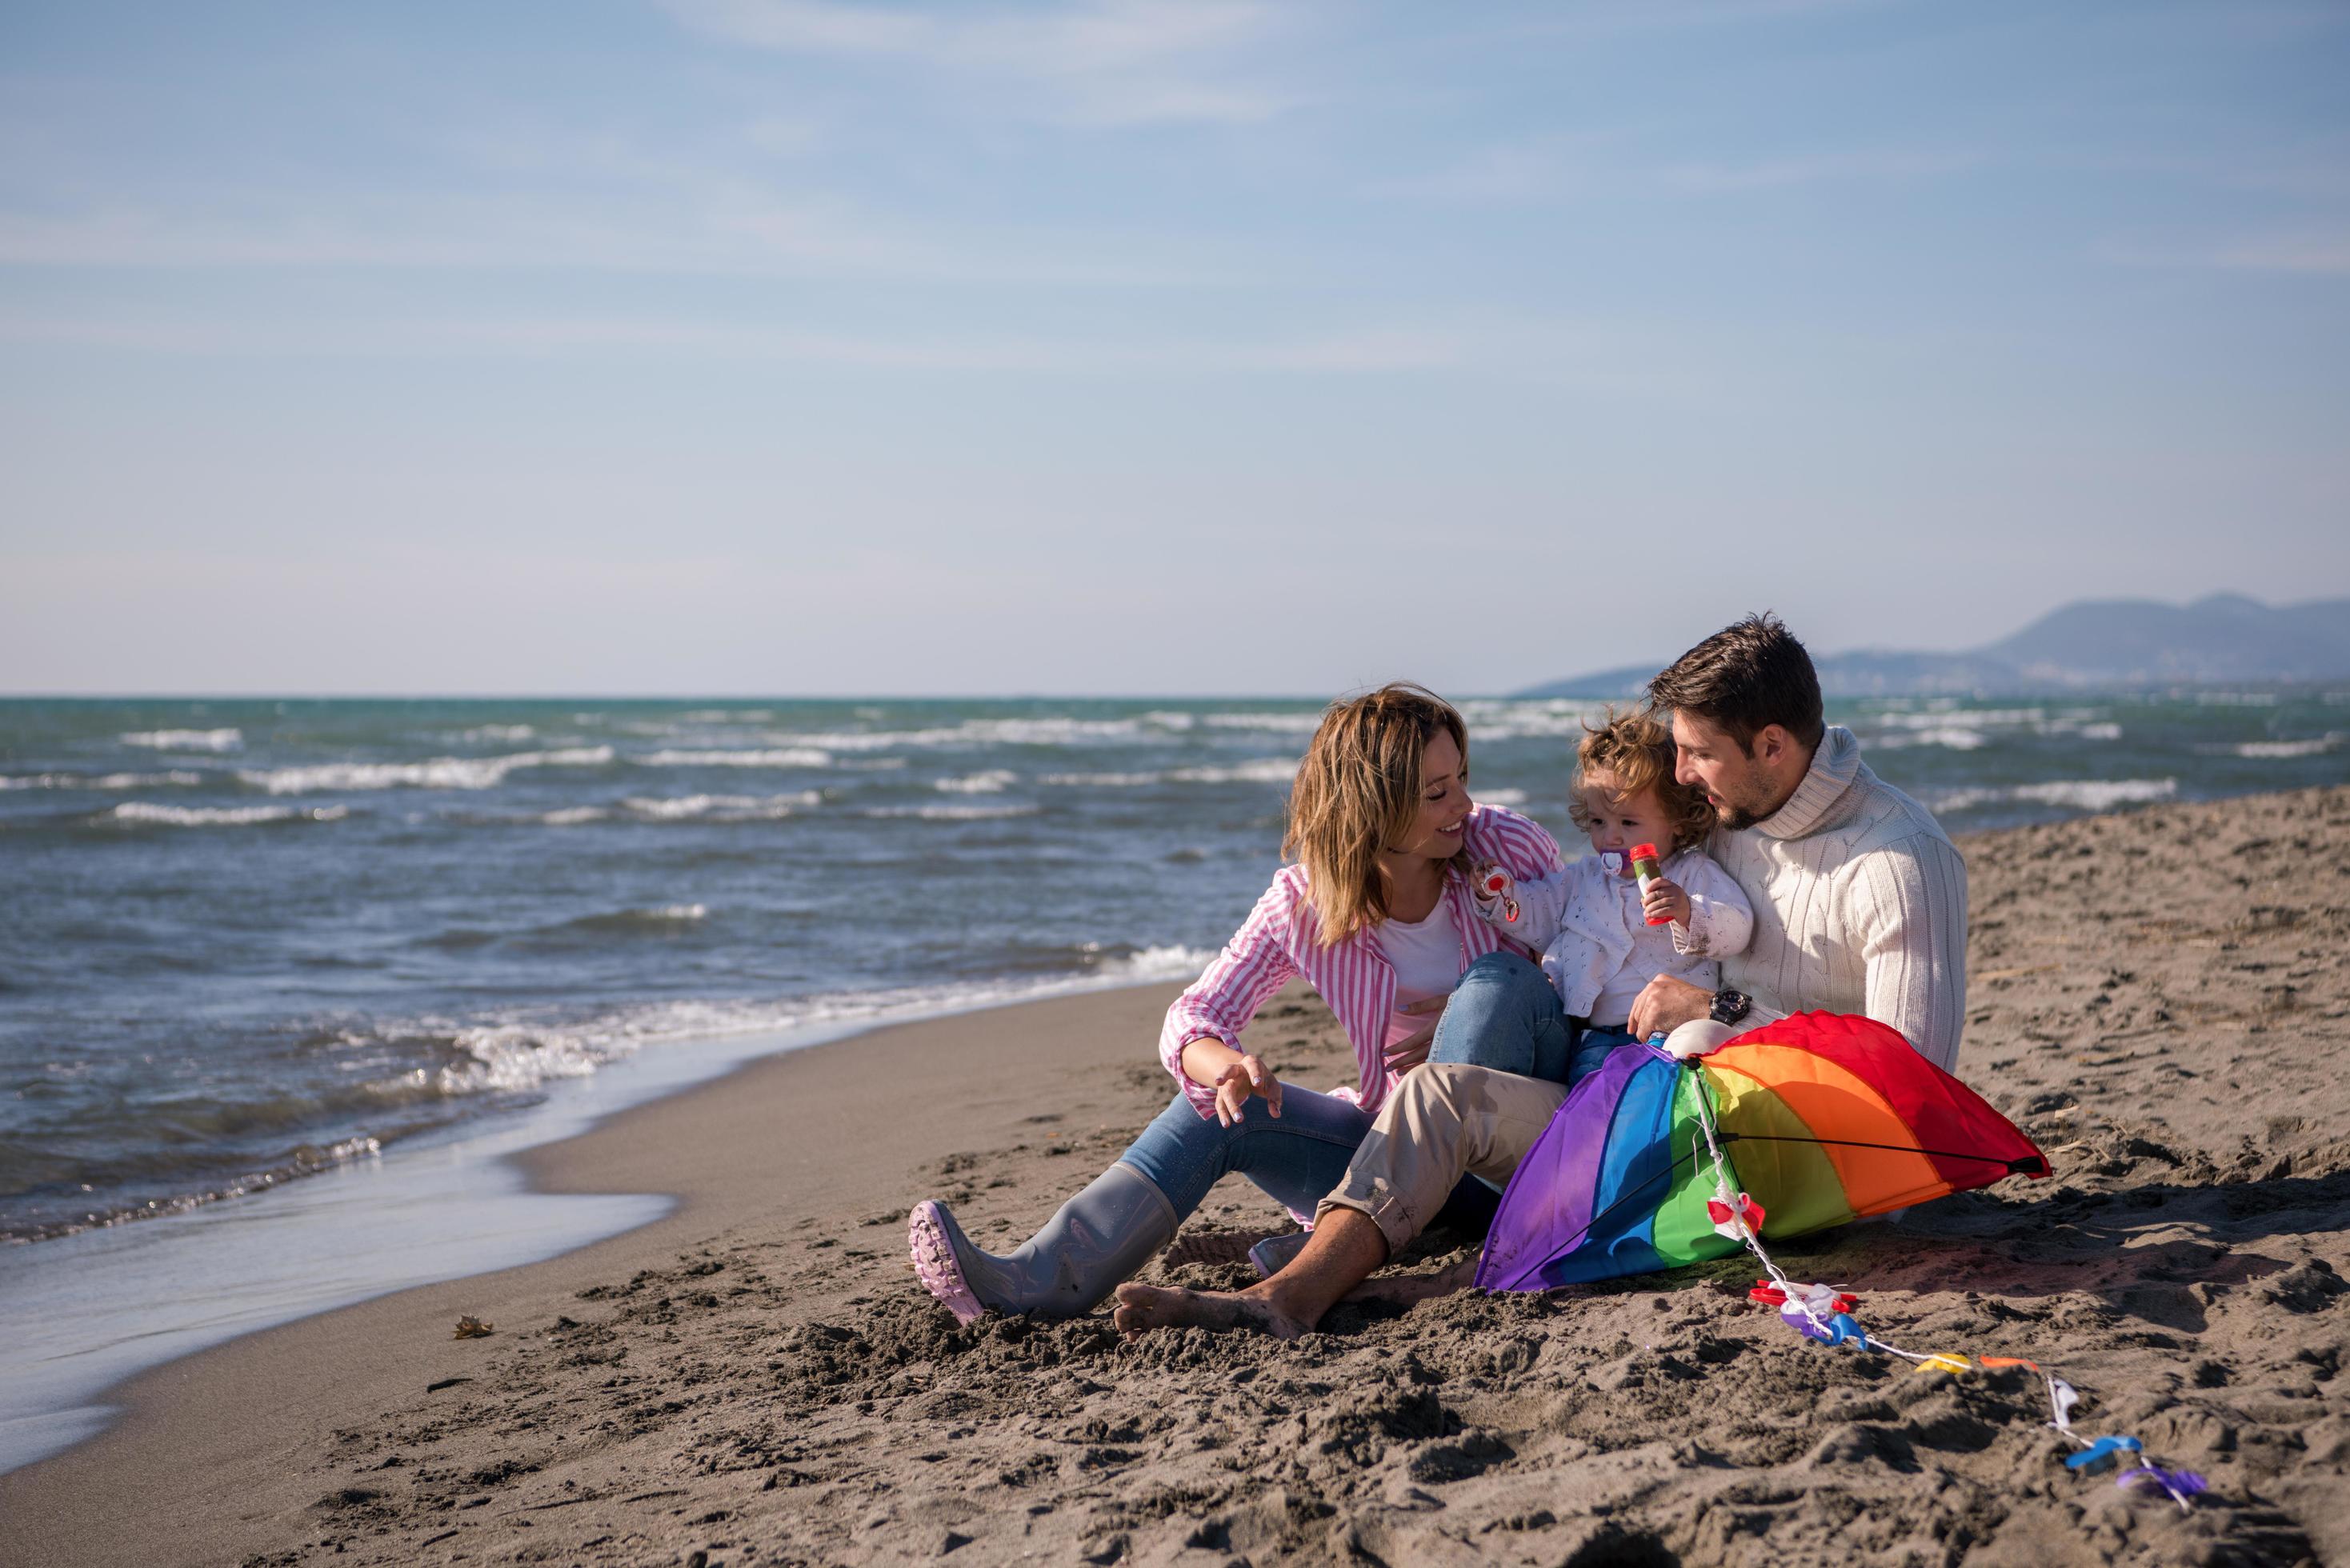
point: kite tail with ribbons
(1826, 1314)
(1834, 1117)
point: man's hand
(1665, 900)
(1240, 1078)
(1412, 1050)
(1667, 1003)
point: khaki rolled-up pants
(1443, 1121)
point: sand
(2158, 998)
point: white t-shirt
(1426, 957)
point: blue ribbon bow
(2103, 1448)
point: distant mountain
(2105, 644)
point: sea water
(280, 959)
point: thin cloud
(1109, 61)
(2312, 255)
(1662, 15)
(731, 229)
(1357, 352)
(1501, 174)
(2326, 255)
(1073, 40)
(1529, 171)
(1817, 169)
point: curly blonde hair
(1357, 791)
(1638, 749)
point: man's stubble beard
(1736, 816)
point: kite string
(1788, 1290)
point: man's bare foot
(1141, 1308)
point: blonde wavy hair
(1638, 749)
(1357, 791)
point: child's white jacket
(1599, 950)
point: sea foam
(1544, 719)
(522, 1054)
(975, 733)
(767, 757)
(990, 782)
(720, 807)
(101, 781)
(185, 740)
(435, 773)
(222, 815)
(2315, 746)
(949, 813)
(1264, 770)
(2081, 794)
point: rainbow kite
(1822, 1118)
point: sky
(803, 347)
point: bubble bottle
(1647, 870)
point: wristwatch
(1730, 1006)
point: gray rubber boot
(1274, 1253)
(1092, 1246)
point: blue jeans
(1591, 1051)
(1500, 1016)
(1506, 1014)
(1297, 1158)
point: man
(1860, 906)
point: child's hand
(1665, 901)
(1239, 1080)
(1490, 889)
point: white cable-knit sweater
(1860, 906)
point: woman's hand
(1665, 900)
(1412, 1050)
(1242, 1077)
(1232, 1075)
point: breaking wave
(523, 1054)
(2080, 794)
(949, 813)
(435, 773)
(101, 781)
(720, 807)
(2315, 746)
(990, 782)
(1024, 732)
(771, 757)
(1268, 770)
(222, 815)
(1969, 729)
(185, 740)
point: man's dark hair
(1743, 679)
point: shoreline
(272, 1257)
(300, 1372)
(616, 1366)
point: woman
(1374, 911)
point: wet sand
(2161, 998)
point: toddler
(1590, 922)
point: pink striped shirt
(1278, 942)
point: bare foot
(1141, 1308)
